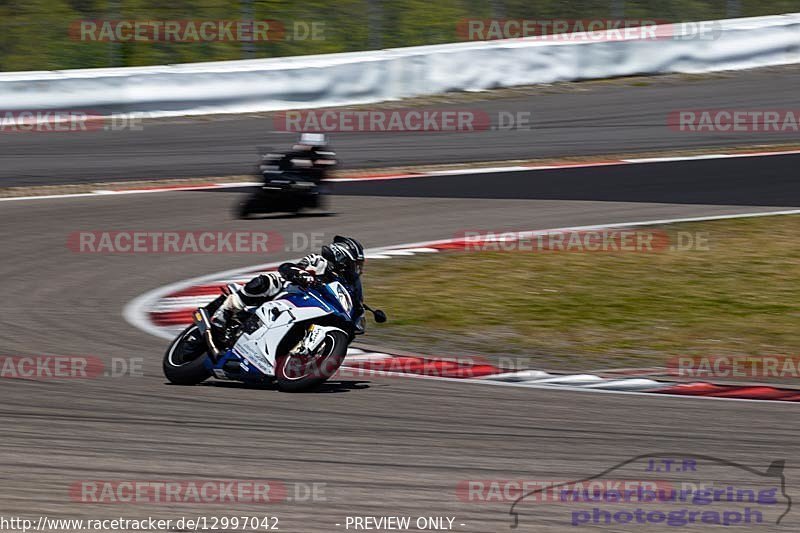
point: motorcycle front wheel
(298, 373)
(184, 362)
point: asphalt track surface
(382, 445)
(590, 118)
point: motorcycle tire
(244, 209)
(184, 364)
(297, 374)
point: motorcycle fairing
(277, 317)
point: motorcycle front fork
(310, 342)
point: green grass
(601, 309)
(35, 34)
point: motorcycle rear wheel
(296, 373)
(184, 362)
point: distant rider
(310, 155)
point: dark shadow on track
(765, 181)
(340, 386)
(282, 216)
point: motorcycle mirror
(380, 316)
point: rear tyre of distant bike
(246, 208)
(299, 373)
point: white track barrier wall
(365, 77)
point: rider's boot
(223, 325)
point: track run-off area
(379, 445)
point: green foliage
(35, 34)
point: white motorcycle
(299, 339)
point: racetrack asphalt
(382, 446)
(622, 116)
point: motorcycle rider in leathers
(342, 260)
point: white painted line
(676, 158)
(522, 375)
(136, 313)
(239, 184)
(710, 156)
(565, 166)
(572, 379)
(467, 171)
(122, 192)
(656, 222)
(377, 178)
(534, 385)
(486, 170)
(47, 197)
(136, 310)
(179, 188)
(627, 384)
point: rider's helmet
(355, 248)
(346, 255)
(311, 141)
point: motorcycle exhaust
(203, 324)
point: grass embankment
(741, 295)
(46, 34)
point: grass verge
(739, 295)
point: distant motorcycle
(292, 181)
(298, 340)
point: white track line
(521, 375)
(656, 222)
(627, 384)
(517, 168)
(123, 192)
(136, 311)
(569, 379)
(569, 388)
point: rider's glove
(304, 278)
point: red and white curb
(165, 311)
(383, 177)
(363, 364)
